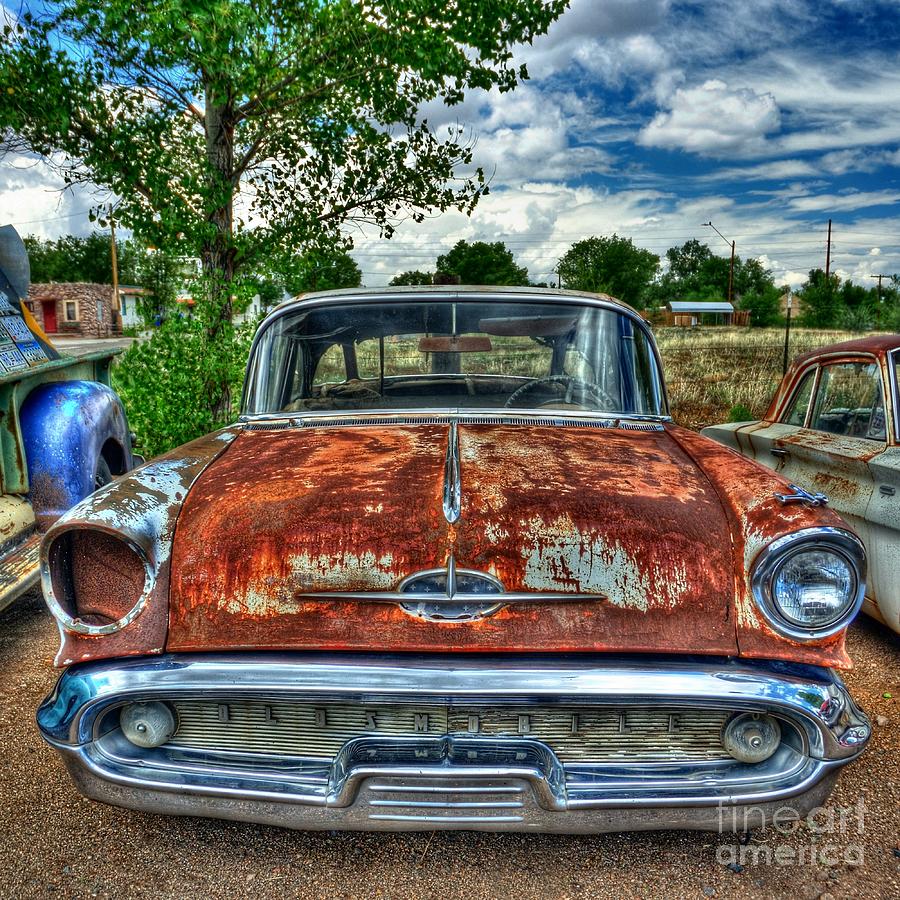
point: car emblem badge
(451, 594)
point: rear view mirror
(455, 344)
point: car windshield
(438, 354)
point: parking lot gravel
(54, 843)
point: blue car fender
(76, 437)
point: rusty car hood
(285, 518)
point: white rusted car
(833, 429)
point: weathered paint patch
(566, 555)
(328, 572)
(16, 517)
(301, 511)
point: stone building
(73, 308)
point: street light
(731, 270)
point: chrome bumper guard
(457, 781)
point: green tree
(688, 263)
(859, 304)
(764, 305)
(323, 271)
(161, 275)
(155, 377)
(888, 308)
(411, 278)
(854, 296)
(823, 306)
(270, 289)
(297, 107)
(482, 263)
(70, 258)
(610, 265)
(693, 272)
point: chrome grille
(575, 734)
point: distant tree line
(614, 265)
(611, 265)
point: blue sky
(648, 118)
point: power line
(55, 219)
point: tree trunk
(218, 252)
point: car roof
(450, 292)
(873, 343)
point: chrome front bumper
(456, 781)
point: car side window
(795, 414)
(850, 401)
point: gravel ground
(55, 843)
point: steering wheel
(571, 383)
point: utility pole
(731, 275)
(731, 269)
(116, 315)
(879, 277)
(828, 253)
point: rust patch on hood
(288, 514)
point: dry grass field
(711, 370)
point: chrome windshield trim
(450, 293)
(450, 413)
(452, 488)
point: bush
(169, 382)
(858, 318)
(739, 413)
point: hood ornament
(800, 495)
(452, 487)
(455, 594)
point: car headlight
(811, 583)
(95, 582)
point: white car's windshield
(441, 354)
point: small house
(689, 313)
(73, 308)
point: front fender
(67, 426)
(143, 508)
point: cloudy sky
(648, 118)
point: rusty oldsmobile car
(454, 568)
(833, 428)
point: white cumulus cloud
(714, 119)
